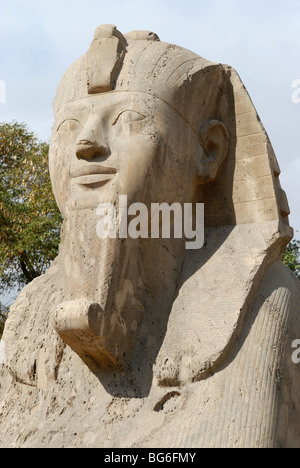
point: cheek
(59, 165)
(136, 156)
(150, 171)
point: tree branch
(27, 269)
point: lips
(93, 176)
(94, 170)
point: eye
(69, 125)
(128, 116)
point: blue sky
(41, 38)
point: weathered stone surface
(140, 342)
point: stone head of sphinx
(141, 118)
(125, 124)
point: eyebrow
(82, 105)
(125, 98)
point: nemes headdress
(246, 211)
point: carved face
(104, 146)
(122, 144)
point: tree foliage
(29, 218)
(291, 257)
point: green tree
(29, 218)
(291, 257)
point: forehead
(109, 103)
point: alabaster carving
(142, 342)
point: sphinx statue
(141, 342)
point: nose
(91, 143)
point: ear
(214, 138)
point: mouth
(93, 176)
